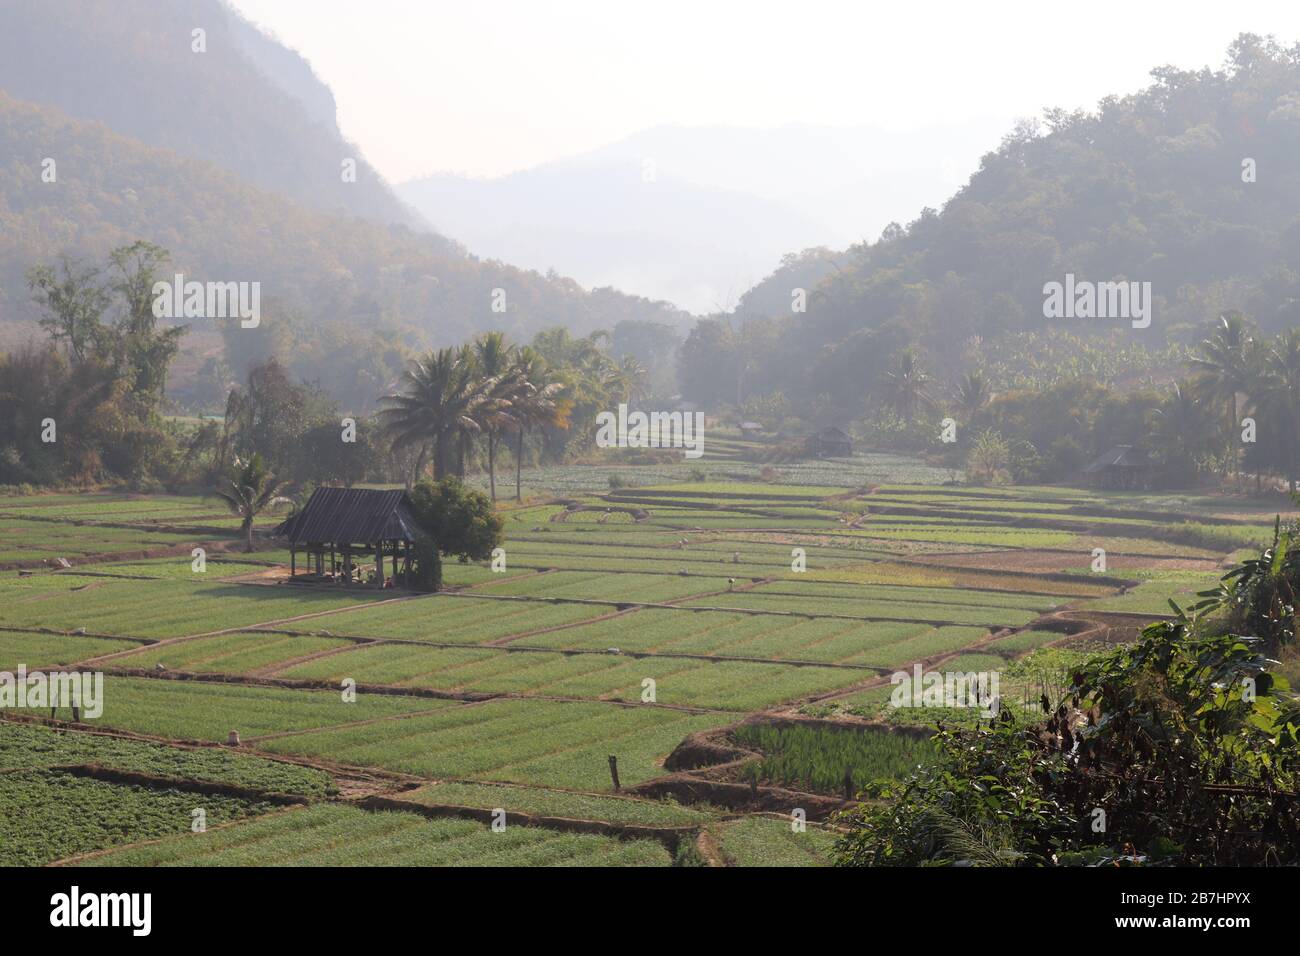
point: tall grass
(815, 758)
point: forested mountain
(111, 190)
(246, 103)
(1154, 187)
(207, 156)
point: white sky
(487, 87)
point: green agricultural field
(46, 650)
(817, 757)
(763, 841)
(595, 586)
(511, 690)
(32, 746)
(561, 803)
(164, 608)
(194, 710)
(546, 743)
(332, 835)
(47, 815)
(30, 542)
(455, 620)
(721, 685)
(883, 610)
(241, 653)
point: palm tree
(1276, 394)
(436, 408)
(1222, 371)
(1180, 428)
(535, 402)
(625, 382)
(972, 394)
(251, 492)
(476, 389)
(906, 384)
(582, 366)
(494, 357)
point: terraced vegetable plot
(548, 743)
(33, 747)
(561, 803)
(515, 691)
(343, 836)
(191, 710)
(165, 608)
(730, 685)
(241, 653)
(46, 816)
(45, 650)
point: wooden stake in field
(848, 783)
(613, 771)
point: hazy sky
(490, 86)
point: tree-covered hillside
(1148, 188)
(358, 285)
(245, 103)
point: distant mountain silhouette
(697, 215)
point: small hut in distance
(357, 527)
(1120, 467)
(830, 443)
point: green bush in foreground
(1183, 742)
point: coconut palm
(625, 382)
(1222, 371)
(436, 408)
(1276, 394)
(535, 403)
(494, 358)
(1180, 426)
(906, 384)
(250, 493)
(973, 392)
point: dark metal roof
(833, 434)
(1118, 456)
(351, 516)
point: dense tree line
(101, 377)
(88, 404)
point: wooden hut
(1120, 467)
(830, 443)
(355, 526)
